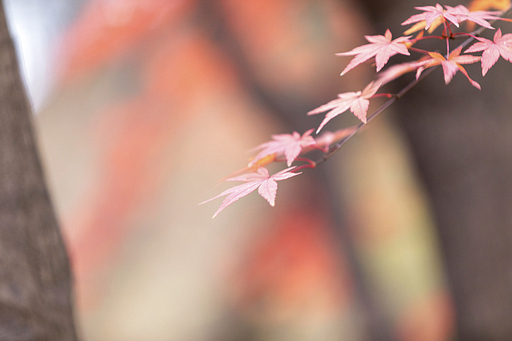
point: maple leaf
(328, 138)
(261, 180)
(502, 45)
(450, 65)
(431, 14)
(395, 71)
(478, 17)
(477, 5)
(323, 142)
(357, 102)
(381, 47)
(413, 41)
(289, 145)
(422, 24)
(252, 167)
(455, 15)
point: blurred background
(143, 105)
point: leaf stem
(415, 49)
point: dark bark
(462, 143)
(35, 279)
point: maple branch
(382, 47)
(448, 43)
(335, 147)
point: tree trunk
(35, 279)
(462, 143)
(463, 147)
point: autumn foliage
(446, 21)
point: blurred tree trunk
(35, 280)
(462, 144)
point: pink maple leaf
(430, 14)
(380, 47)
(502, 45)
(450, 65)
(289, 145)
(261, 179)
(328, 138)
(395, 71)
(357, 102)
(455, 15)
(478, 17)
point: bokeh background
(142, 105)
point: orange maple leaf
(484, 5)
(450, 65)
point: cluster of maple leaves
(288, 147)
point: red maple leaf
(357, 102)
(261, 179)
(450, 65)
(502, 45)
(381, 47)
(289, 145)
